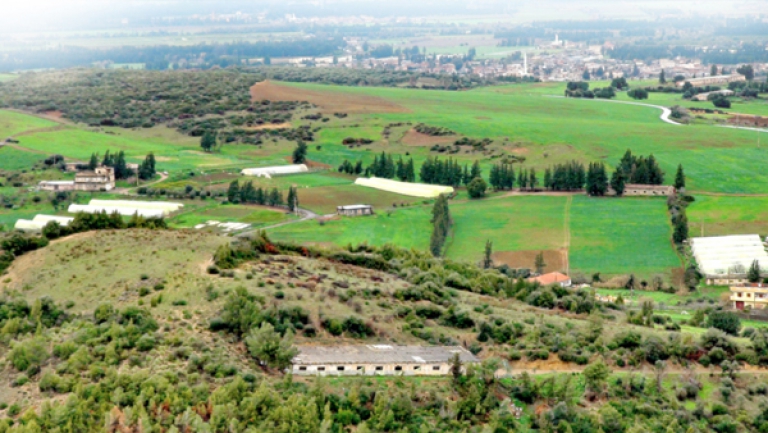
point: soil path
(665, 112)
(745, 128)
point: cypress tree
(476, 171)
(299, 153)
(94, 162)
(680, 178)
(618, 181)
(233, 192)
(680, 232)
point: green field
(620, 236)
(714, 216)
(513, 224)
(554, 130)
(408, 228)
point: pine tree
(108, 161)
(753, 275)
(539, 263)
(679, 178)
(680, 233)
(476, 171)
(293, 199)
(532, 181)
(233, 192)
(300, 153)
(94, 162)
(547, 178)
(662, 78)
(121, 167)
(410, 171)
(487, 260)
(618, 181)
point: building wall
(426, 369)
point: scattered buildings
(268, 172)
(552, 278)
(713, 80)
(724, 260)
(705, 96)
(100, 179)
(752, 296)
(354, 210)
(378, 359)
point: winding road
(665, 112)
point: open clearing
(328, 101)
(323, 200)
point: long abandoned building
(101, 179)
(379, 359)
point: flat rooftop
(380, 354)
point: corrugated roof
(380, 354)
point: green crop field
(554, 130)
(620, 236)
(512, 223)
(715, 216)
(408, 228)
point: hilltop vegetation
(179, 347)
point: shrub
(725, 321)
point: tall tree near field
(487, 260)
(680, 233)
(233, 192)
(441, 224)
(293, 199)
(547, 178)
(532, 181)
(662, 78)
(680, 178)
(747, 71)
(121, 167)
(618, 181)
(94, 162)
(410, 171)
(753, 274)
(476, 171)
(275, 198)
(300, 153)
(247, 193)
(713, 70)
(147, 167)
(539, 263)
(597, 180)
(208, 141)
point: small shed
(552, 278)
(379, 359)
(355, 210)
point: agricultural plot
(256, 216)
(323, 200)
(513, 224)
(621, 236)
(407, 228)
(718, 215)
(555, 130)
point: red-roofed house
(552, 278)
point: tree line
(247, 193)
(441, 225)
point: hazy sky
(46, 15)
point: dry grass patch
(554, 259)
(331, 100)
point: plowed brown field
(330, 101)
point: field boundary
(567, 227)
(665, 112)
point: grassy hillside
(135, 313)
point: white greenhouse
(124, 211)
(27, 226)
(165, 206)
(404, 188)
(728, 255)
(45, 219)
(268, 172)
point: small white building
(355, 210)
(379, 359)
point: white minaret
(525, 63)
